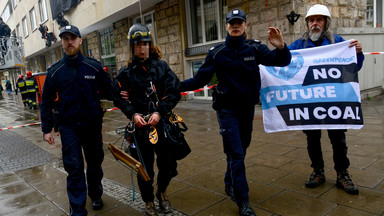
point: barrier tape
(19, 126)
(373, 53)
(197, 90)
(112, 109)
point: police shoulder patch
(253, 42)
(54, 65)
(216, 49)
(93, 59)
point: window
(206, 21)
(194, 66)
(374, 14)
(14, 3)
(43, 11)
(25, 27)
(6, 12)
(18, 30)
(107, 40)
(149, 21)
(32, 16)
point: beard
(71, 51)
(315, 33)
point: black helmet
(138, 32)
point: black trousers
(165, 161)
(339, 146)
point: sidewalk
(277, 167)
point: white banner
(318, 90)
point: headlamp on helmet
(139, 32)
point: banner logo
(286, 73)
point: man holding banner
(318, 20)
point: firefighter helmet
(29, 74)
(105, 69)
(21, 76)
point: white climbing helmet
(318, 9)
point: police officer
(79, 82)
(318, 20)
(235, 63)
(22, 87)
(153, 92)
(32, 88)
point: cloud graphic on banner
(286, 73)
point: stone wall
(345, 13)
(94, 45)
(120, 32)
(169, 36)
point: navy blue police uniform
(235, 63)
(79, 83)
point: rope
(267, 12)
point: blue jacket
(235, 64)
(79, 84)
(303, 44)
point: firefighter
(22, 87)
(32, 89)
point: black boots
(164, 203)
(317, 178)
(344, 181)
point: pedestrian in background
(79, 82)
(153, 91)
(1, 91)
(8, 87)
(318, 20)
(235, 63)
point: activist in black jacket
(135, 78)
(153, 91)
(235, 64)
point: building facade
(186, 29)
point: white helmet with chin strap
(318, 9)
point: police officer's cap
(70, 29)
(236, 14)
